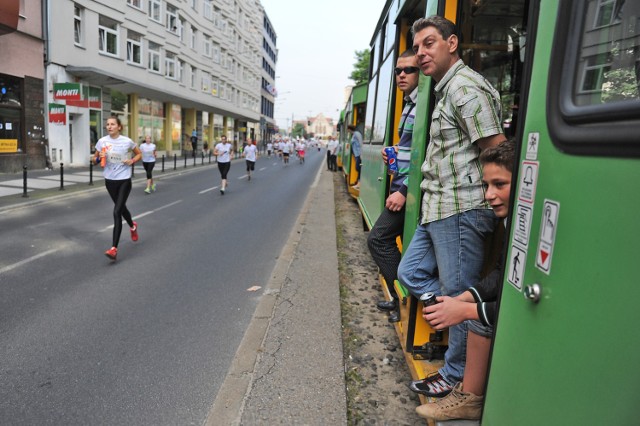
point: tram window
(492, 36)
(608, 59)
(385, 76)
(368, 116)
(596, 109)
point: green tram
(568, 73)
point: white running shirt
(117, 151)
(224, 150)
(250, 152)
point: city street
(148, 339)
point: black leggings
(148, 167)
(224, 169)
(119, 191)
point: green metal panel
(359, 93)
(418, 148)
(569, 359)
(372, 183)
(418, 151)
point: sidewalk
(44, 183)
(289, 368)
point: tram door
(566, 343)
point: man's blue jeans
(446, 257)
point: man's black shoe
(394, 316)
(387, 305)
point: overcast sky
(316, 41)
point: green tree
(360, 73)
(298, 130)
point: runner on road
(113, 152)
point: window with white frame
(207, 9)
(134, 47)
(170, 65)
(216, 18)
(135, 3)
(155, 10)
(107, 36)
(78, 27)
(223, 90)
(606, 13)
(194, 4)
(154, 57)
(181, 71)
(214, 87)
(194, 75)
(206, 82)
(215, 53)
(181, 22)
(206, 45)
(171, 19)
(192, 41)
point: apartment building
(269, 92)
(22, 140)
(165, 67)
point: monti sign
(67, 91)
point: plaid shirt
(467, 109)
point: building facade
(269, 92)
(321, 127)
(167, 68)
(22, 141)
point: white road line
(263, 168)
(25, 261)
(242, 177)
(145, 214)
(210, 189)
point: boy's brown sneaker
(456, 405)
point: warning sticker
(532, 146)
(522, 224)
(528, 180)
(515, 274)
(548, 228)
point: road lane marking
(261, 169)
(210, 189)
(145, 214)
(27, 260)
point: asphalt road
(146, 340)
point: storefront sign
(67, 91)
(8, 145)
(57, 114)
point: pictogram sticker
(532, 146)
(515, 274)
(548, 229)
(522, 224)
(528, 181)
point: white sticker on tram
(533, 141)
(548, 229)
(528, 181)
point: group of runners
(284, 147)
(117, 153)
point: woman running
(112, 152)
(223, 152)
(149, 154)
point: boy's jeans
(446, 257)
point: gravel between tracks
(375, 368)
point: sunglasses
(407, 70)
